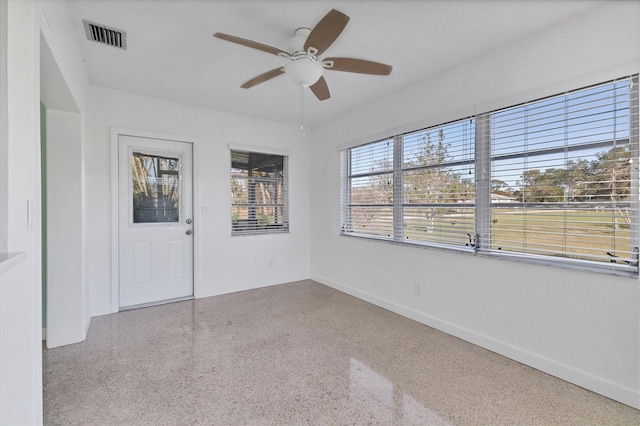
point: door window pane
(156, 188)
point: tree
(435, 184)
(606, 178)
(612, 173)
(542, 187)
(426, 180)
(376, 189)
(500, 187)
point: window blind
(553, 180)
(561, 176)
(258, 193)
(438, 184)
(370, 189)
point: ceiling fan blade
(320, 89)
(251, 43)
(262, 78)
(359, 65)
(326, 31)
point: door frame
(116, 132)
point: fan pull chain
(302, 109)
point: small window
(258, 193)
(156, 188)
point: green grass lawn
(581, 234)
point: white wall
(63, 86)
(65, 286)
(55, 26)
(583, 327)
(224, 263)
(20, 286)
(20, 302)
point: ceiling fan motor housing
(296, 44)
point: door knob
(189, 232)
(188, 221)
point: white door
(155, 223)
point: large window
(258, 193)
(554, 180)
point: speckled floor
(296, 354)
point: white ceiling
(172, 55)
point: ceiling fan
(305, 66)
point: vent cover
(105, 35)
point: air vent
(105, 35)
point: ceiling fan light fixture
(305, 71)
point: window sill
(9, 261)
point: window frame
(136, 211)
(483, 207)
(269, 228)
(4, 133)
(350, 175)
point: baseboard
(580, 378)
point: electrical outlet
(417, 289)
